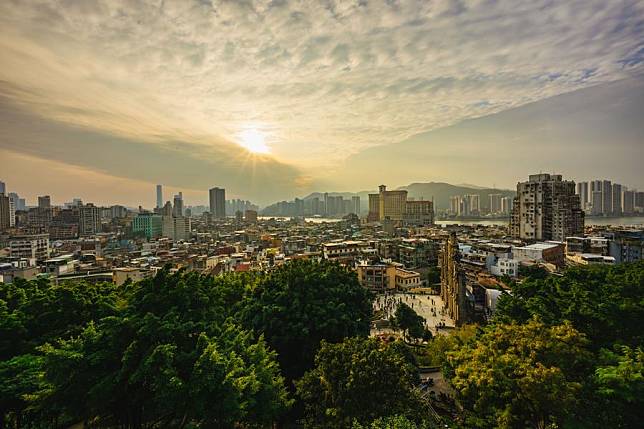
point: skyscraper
(628, 200)
(582, 191)
(12, 211)
(595, 194)
(356, 205)
(44, 202)
(506, 205)
(391, 203)
(495, 203)
(20, 202)
(546, 208)
(617, 199)
(3, 188)
(159, 196)
(177, 209)
(4, 212)
(607, 197)
(217, 202)
(89, 219)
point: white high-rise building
(12, 211)
(89, 219)
(506, 205)
(495, 203)
(584, 197)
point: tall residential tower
(546, 208)
(218, 202)
(159, 196)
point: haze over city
(321, 214)
(273, 100)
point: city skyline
(276, 100)
(203, 197)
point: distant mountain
(438, 191)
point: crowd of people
(429, 307)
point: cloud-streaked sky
(139, 93)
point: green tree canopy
(301, 303)
(605, 303)
(520, 375)
(37, 311)
(620, 383)
(170, 358)
(409, 321)
(393, 422)
(359, 380)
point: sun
(253, 140)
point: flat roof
(538, 246)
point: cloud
(190, 165)
(326, 79)
(591, 133)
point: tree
(520, 375)
(605, 303)
(409, 321)
(620, 383)
(433, 275)
(20, 377)
(359, 380)
(31, 314)
(301, 303)
(34, 312)
(393, 422)
(171, 358)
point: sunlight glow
(253, 140)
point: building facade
(419, 213)
(546, 208)
(453, 290)
(217, 198)
(159, 196)
(4, 212)
(34, 246)
(148, 224)
(89, 220)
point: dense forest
(291, 348)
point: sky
(274, 99)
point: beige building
(250, 215)
(419, 213)
(393, 205)
(176, 228)
(34, 246)
(382, 277)
(546, 208)
(121, 275)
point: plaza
(429, 307)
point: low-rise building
(552, 252)
(345, 251)
(627, 245)
(121, 275)
(505, 267)
(589, 259)
(30, 246)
